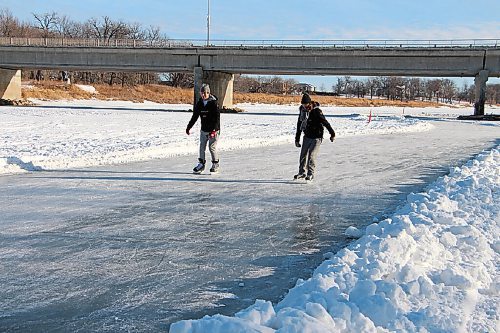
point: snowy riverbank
(64, 135)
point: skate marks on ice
(214, 177)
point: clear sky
(288, 19)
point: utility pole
(208, 24)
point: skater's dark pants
(308, 154)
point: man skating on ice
(208, 110)
(311, 121)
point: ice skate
(215, 167)
(309, 178)
(299, 176)
(200, 167)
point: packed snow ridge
(431, 267)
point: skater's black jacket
(209, 114)
(315, 123)
(301, 122)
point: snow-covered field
(431, 267)
(74, 134)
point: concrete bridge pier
(221, 86)
(10, 84)
(480, 92)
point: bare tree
(47, 23)
(337, 88)
(493, 94)
(181, 80)
(372, 85)
(244, 83)
(8, 23)
(65, 27)
(432, 89)
(397, 87)
(135, 31)
(153, 34)
(414, 86)
(359, 88)
(290, 86)
(347, 82)
(448, 90)
(106, 29)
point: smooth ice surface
(138, 246)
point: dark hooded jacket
(209, 114)
(301, 122)
(315, 123)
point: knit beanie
(305, 99)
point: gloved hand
(297, 144)
(212, 134)
(332, 138)
(187, 131)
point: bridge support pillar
(198, 81)
(221, 86)
(10, 84)
(480, 92)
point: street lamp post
(208, 24)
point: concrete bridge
(216, 64)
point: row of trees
(394, 88)
(439, 90)
(85, 77)
(265, 84)
(52, 24)
(180, 80)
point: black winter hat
(305, 99)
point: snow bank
(431, 267)
(87, 88)
(74, 134)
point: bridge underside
(216, 65)
(221, 85)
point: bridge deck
(452, 60)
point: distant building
(305, 87)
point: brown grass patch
(154, 93)
(169, 95)
(55, 91)
(326, 100)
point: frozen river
(138, 246)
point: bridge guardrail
(82, 42)
(169, 43)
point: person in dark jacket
(311, 121)
(208, 110)
(302, 121)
